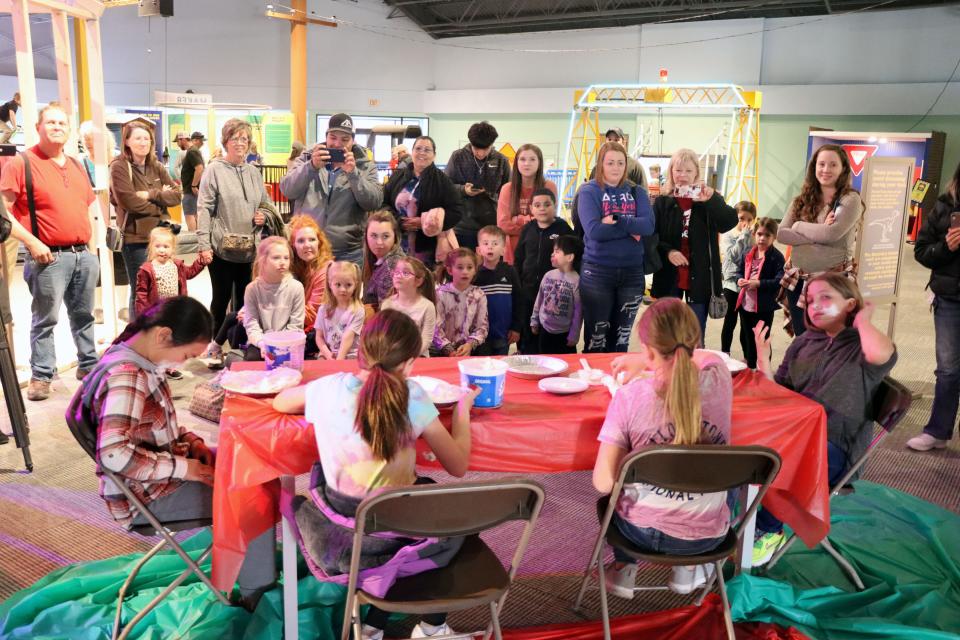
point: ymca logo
(858, 154)
(346, 123)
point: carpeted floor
(53, 516)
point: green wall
(783, 140)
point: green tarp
(907, 552)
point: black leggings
(729, 320)
(226, 279)
(748, 320)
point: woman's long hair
(670, 328)
(808, 204)
(301, 269)
(369, 259)
(388, 340)
(516, 180)
(953, 187)
(188, 320)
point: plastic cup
(489, 375)
(284, 349)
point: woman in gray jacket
(230, 205)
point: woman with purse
(419, 188)
(690, 216)
(141, 190)
(821, 225)
(230, 207)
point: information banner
(886, 193)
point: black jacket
(722, 217)
(932, 252)
(531, 258)
(435, 190)
(771, 273)
(491, 174)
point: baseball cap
(180, 134)
(196, 135)
(341, 122)
(617, 131)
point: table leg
(290, 628)
(749, 531)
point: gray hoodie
(340, 212)
(229, 197)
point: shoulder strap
(31, 203)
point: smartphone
(955, 219)
(688, 191)
(337, 155)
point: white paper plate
(733, 364)
(563, 386)
(441, 392)
(535, 367)
(260, 383)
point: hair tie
(685, 348)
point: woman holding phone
(938, 249)
(690, 216)
(821, 225)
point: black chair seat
(178, 525)
(618, 540)
(474, 577)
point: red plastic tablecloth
(533, 432)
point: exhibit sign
(172, 99)
(887, 185)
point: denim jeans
(836, 467)
(946, 393)
(70, 279)
(657, 541)
(611, 297)
(699, 309)
(134, 255)
(355, 256)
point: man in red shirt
(59, 268)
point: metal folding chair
(475, 576)
(693, 469)
(84, 429)
(889, 405)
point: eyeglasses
(240, 139)
(404, 274)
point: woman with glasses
(420, 195)
(230, 205)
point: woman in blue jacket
(615, 219)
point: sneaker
(687, 579)
(370, 633)
(4, 438)
(765, 546)
(925, 442)
(82, 373)
(174, 374)
(98, 316)
(38, 390)
(621, 582)
(420, 631)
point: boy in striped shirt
(501, 285)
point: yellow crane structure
(740, 178)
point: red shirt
(62, 196)
(683, 273)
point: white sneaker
(370, 633)
(621, 582)
(442, 630)
(925, 442)
(687, 579)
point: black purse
(717, 307)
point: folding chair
(889, 405)
(84, 429)
(692, 469)
(475, 576)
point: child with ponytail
(368, 422)
(686, 399)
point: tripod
(11, 391)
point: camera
(174, 228)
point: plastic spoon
(584, 364)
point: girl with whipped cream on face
(839, 362)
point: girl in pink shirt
(674, 396)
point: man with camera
(55, 228)
(336, 184)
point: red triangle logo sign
(858, 154)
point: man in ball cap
(336, 184)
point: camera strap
(31, 203)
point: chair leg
(357, 624)
(844, 563)
(129, 581)
(779, 553)
(195, 566)
(706, 588)
(727, 618)
(604, 611)
(594, 559)
(495, 620)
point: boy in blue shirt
(501, 285)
